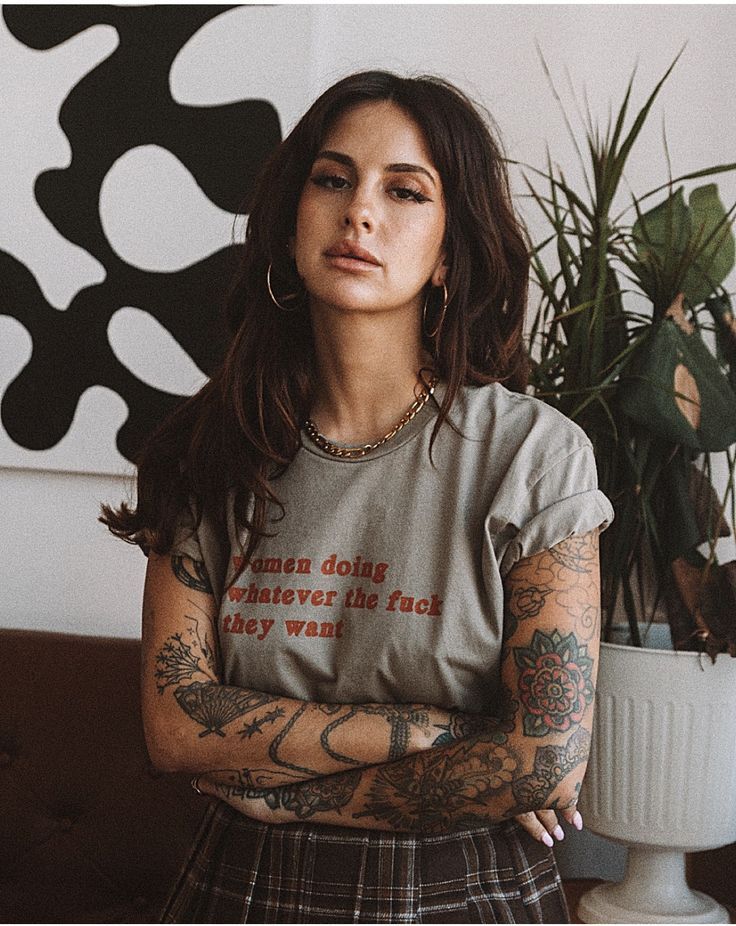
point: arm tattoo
(179, 659)
(209, 703)
(175, 662)
(249, 729)
(399, 718)
(200, 581)
(554, 682)
(330, 793)
(273, 749)
(462, 726)
(551, 765)
(437, 791)
(484, 770)
(562, 574)
(304, 800)
(213, 706)
(577, 553)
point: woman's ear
(440, 271)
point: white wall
(62, 570)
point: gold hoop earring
(445, 300)
(275, 300)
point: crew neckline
(424, 416)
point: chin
(347, 298)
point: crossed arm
(194, 723)
(280, 759)
(531, 757)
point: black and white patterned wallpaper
(130, 137)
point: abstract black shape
(123, 103)
(71, 351)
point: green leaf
(717, 251)
(649, 394)
(684, 248)
(664, 230)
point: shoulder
(517, 427)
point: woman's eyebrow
(410, 169)
(391, 168)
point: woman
(372, 601)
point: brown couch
(89, 831)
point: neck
(367, 372)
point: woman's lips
(350, 248)
(354, 264)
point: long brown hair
(242, 429)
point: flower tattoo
(555, 686)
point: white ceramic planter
(661, 779)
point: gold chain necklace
(354, 452)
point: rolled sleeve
(186, 538)
(202, 542)
(564, 501)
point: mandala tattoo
(551, 765)
(554, 682)
(433, 793)
(304, 800)
(214, 706)
(200, 582)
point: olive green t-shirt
(384, 579)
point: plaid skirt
(243, 871)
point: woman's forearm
(532, 759)
(196, 724)
(272, 741)
(481, 781)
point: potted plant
(634, 338)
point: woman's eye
(330, 181)
(405, 192)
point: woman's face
(372, 186)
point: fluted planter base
(654, 890)
(661, 779)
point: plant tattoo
(175, 662)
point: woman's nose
(359, 214)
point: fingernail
(577, 820)
(558, 832)
(548, 840)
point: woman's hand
(543, 825)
